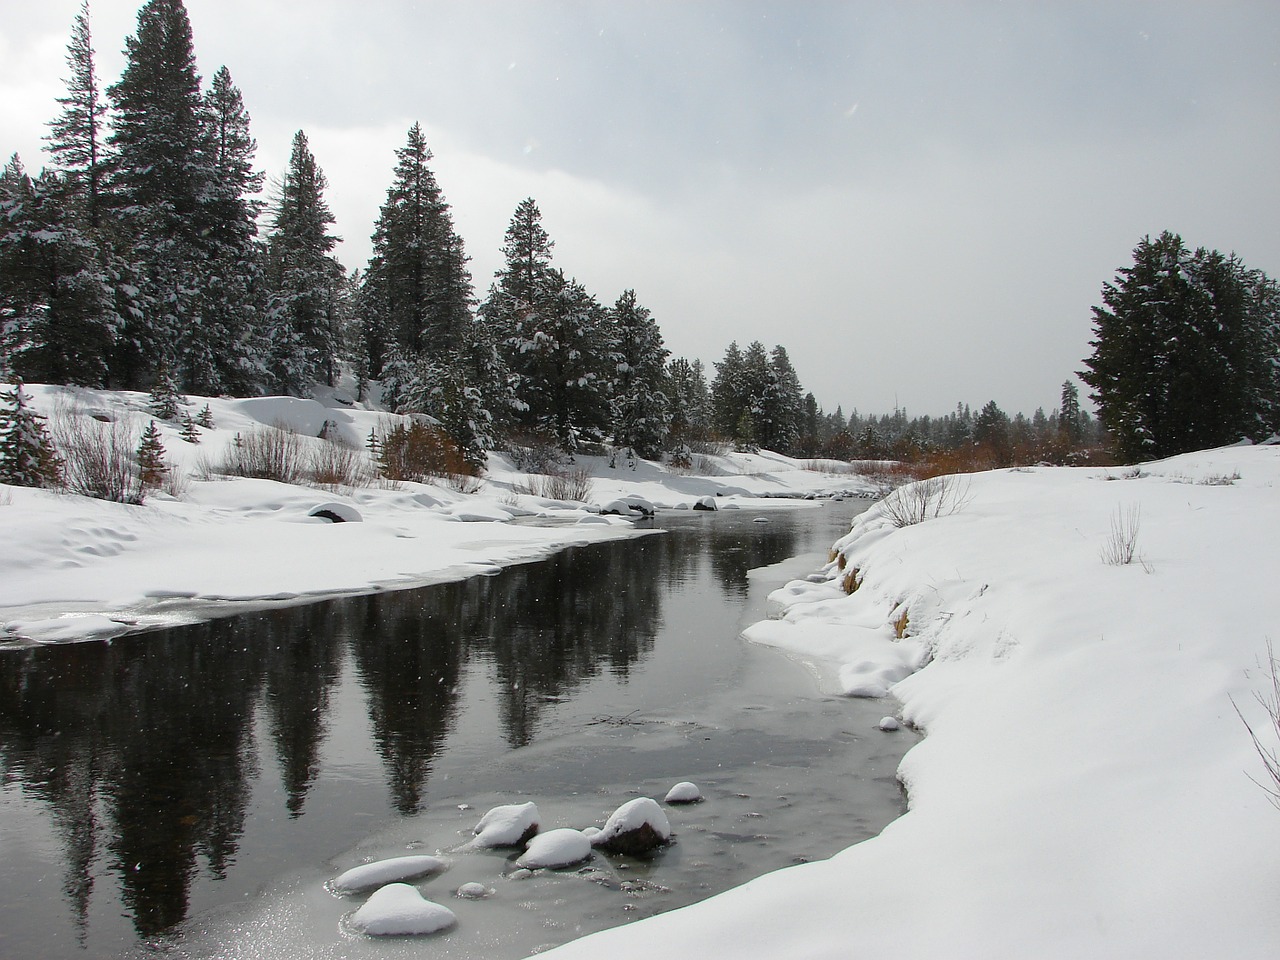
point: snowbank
(76, 568)
(1083, 788)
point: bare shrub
(1121, 546)
(1220, 479)
(97, 455)
(533, 452)
(464, 483)
(926, 500)
(571, 484)
(174, 482)
(1270, 755)
(420, 452)
(332, 465)
(266, 453)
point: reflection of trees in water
(407, 650)
(143, 750)
(741, 545)
(559, 622)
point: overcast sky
(920, 201)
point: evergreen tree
(1069, 420)
(151, 465)
(189, 432)
(418, 286)
(222, 351)
(205, 418)
(690, 402)
(1183, 358)
(165, 402)
(730, 394)
(159, 180)
(57, 317)
(991, 428)
(782, 405)
(75, 135)
(27, 457)
(641, 409)
(304, 280)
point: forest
(145, 256)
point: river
(190, 790)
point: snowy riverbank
(74, 567)
(1083, 788)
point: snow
(633, 815)
(555, 848)
(398, 910)
(506, 825)
(1083, 787)
(74, 568)
(384, 871)
(683, 792)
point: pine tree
(641, 408)
(75, 135)
(151, 452)
(418, 284)
(159, 179)
(729, 392)
(189, 432)
(205, 418)
(27, 457)
(222, 349)
(165, 402)
(1183, 358)
(57, 318)
(304, 280)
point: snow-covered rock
(888, 724)
(474, 891)
(399, 910)
(555, 848)
(385, 871)
(705, 503)
(684, 792)
(509, 825)
(336, 512)
(637, 827)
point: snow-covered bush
(1121, 545)
(560, 484)
(333, 465)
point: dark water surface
(190, 790)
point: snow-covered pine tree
(205, 418)
(150, 456)
(641, 408)
(303, 279)
(164, 401)
(223, 351)
(57, 318)
(417, 283)
(783, 404)
(159, 181)
(1182, 357)
(730, 393)
(76, 135)
(189, 432)
(27, 457)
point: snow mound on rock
(637, 826)
(555, 848)
(683, 792)
(398, 910)
(509, 825)
(383, 872)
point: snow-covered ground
(73, 567)
(1084, 785)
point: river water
(189, 791)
